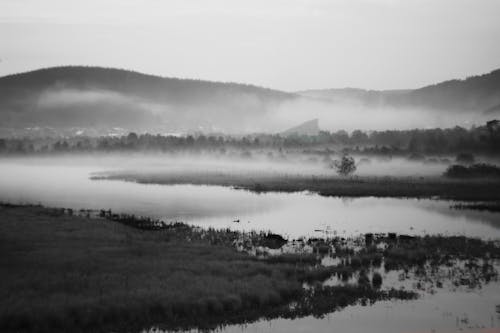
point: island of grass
(472, 189)
(62, 272)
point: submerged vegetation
(66, 270)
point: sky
(282, 44)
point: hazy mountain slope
(476, 94)
(94, 96)
(171, 90)
(354, 95)
(102, 98)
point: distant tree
(359, 136)
(341, 136)
(132, 137)
(345, 166)
(413, 145)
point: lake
(57, 184)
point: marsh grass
(395, 187)
(65, 272)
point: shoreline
(141, 272)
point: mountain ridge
(474, 93)
(61, 96)
(95, 97)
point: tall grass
(417, 187)
(68, 273)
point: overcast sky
(283, 44)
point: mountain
(353, 95)
(96, 101)
(64, 97)
(310, 127)
(473, 94)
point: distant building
(310, 127)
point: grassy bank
(66, 272)
(396, 187)
(62, 272)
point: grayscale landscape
(250, 166)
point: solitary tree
(345, 166)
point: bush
(376, 280)
(474, 171)
(363, 279)
(345, 166)
(355, 262)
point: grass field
(66, 272)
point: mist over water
(233, 163)
(65, 182)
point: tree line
(481, 139)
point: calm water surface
(291, 214)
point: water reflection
(464, 310)
(444, 312)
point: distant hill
(96, 100)
(474, 94)
(106, 97)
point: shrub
(473, 171)
(363, 279)
(376, 280)
(356, 262)
(345, 166)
